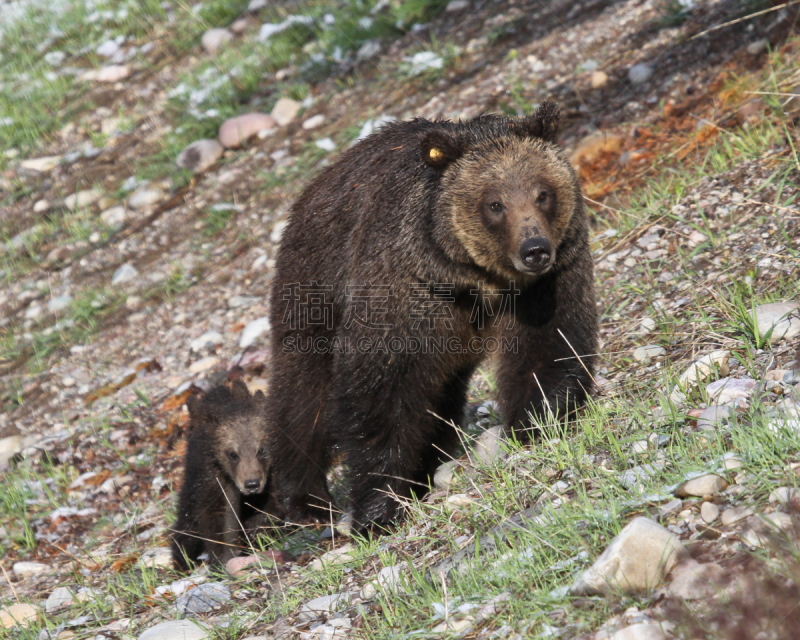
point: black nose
(252, 485)
(535, 253)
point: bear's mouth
(521, 267)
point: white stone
(40, 206)
(371, 126)
(200, 155)
(54, 305)
(203, 364)
(177, 630)
(713, 416)
(599, 79)
(456, 5)
(41, 165)
(783, 318)
(701, 370)
(284, 111)
(459, 500)
(389, 580)
(369, 50)
(489, 446)
(115, 216)
(113, 73)
(82, 199)
(143, 198)
(124, 273)
(324, 605)
(213, 39)
(709, 512)
(253, 331)
(636, 561)
(785, 496)
(443, 477)
(108, 49)
(208, 340)
(326, 144)
(648, 352)
(705, 485)
(640, 631)
(423, 61)
(727, 390)
(757, 47)
(694, 581)
(313, 122)
(25, 570)
(277, 231)
(157, 557)
(335, 556)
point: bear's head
(237, 421)
(507, 192)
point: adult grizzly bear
(226, 475)
(425, 246)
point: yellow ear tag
(435, 154)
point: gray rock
(735, 514)
(637, 476)
(372, 48)
(203, 598)
(636, 561)
(124, 273)
(60, 599)
(234, 132)
(727, 390)
(489, 446)
(313, 122)
(757, 47)
(200, 155)
(41, 165)
(112, 73)
(177, 630)
(443, 477)
(208, 340)
(156, 557)
(648, 352)
(388, 581)
(714, 416)
(234, 302)
(640, 73)
(323, 606)
(114, 217)
(705, 485)
(326, 144)
(456, 5)
(782, 318)
(54, 305)
(253, 331)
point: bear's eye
(233, 456)
(542, 197)
(496, 207)
(262, 451)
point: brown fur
(415, 204)
(227, 474)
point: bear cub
(226, 476)
(423, 250)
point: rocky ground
(140, 221)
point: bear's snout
(252, 486)
(535, 253)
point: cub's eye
(262, 451)
(496, 207)
(542, 197)
(233, 456)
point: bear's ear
(198, 408)
(544, 122)
(439, 149)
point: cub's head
(507, 192)
(237, 422)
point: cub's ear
(544, 122)
(438, 149)
(198, 408)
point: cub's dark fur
(471, 234)
(227, 474)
